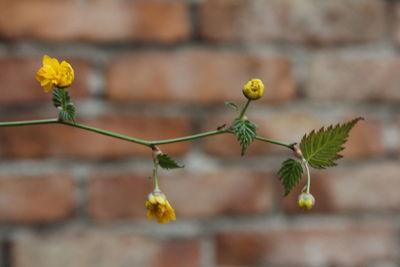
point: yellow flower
(158, 207)
(306, 201)
(54, 74)
(253, 89)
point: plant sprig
(319, 149)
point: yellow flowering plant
(318, 149)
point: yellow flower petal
(53, 74)
(159, 208)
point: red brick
(200, 195)
(196, 75)
(120, 196)
(396, 26)
(344, 76)
(60, 140)
(19, 84)
(300, 21)
(317, 244)
(365, 188)
(35, 199)
(103, 249)
(365, 140)
(102, 21)
(230, 192)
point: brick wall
(158, 69)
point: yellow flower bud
(306, 201)
(253, 89)
(54, 74)
(159, 208)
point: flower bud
(306, 201)
(297, 152)
(253, 89)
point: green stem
(308, 176)
(275, 142)
(244, 109)
(187, 138)
(31, 122)
(104, 132)
(136, 140)
(155, 177)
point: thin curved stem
(155, 177)
(308, 176)
(244, 109)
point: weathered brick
(101, 21)
(200, 195)
(365, 188)
(365, 140)
(230, 192)
(60, 140)
(336, 244)
(120, 196)
(103, 249)
(196, 75)
(396, 26)
(300, 21)
(361, 76)
(19, 84)
(41, 199)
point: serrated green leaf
(290, 174)
(232, 106)
(322, 148)
(62, 101)
(245, 132)
(166, 162)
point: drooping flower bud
(306, 201)
(159, 208)
(253, 89)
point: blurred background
(157, 69)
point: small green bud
(306, 201)
(253, 89)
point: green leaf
(68, 114)
(290, 174)
(166, 162)
(232, 106)
(245, 132)
(62, 101)
(322, 148)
